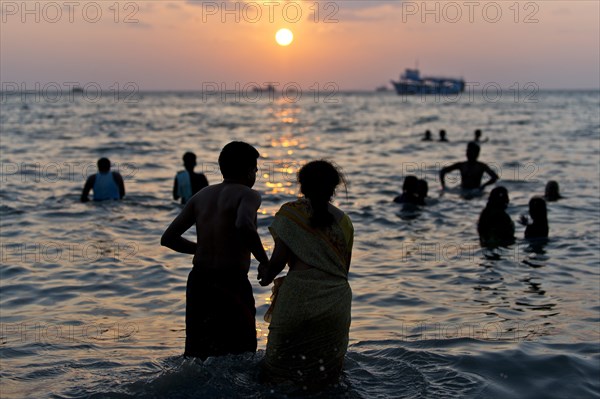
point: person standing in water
(310, 312)
(471, 171)
(477, 138)
(106, 185)
(539, 216)
(187, 182)
(495, 227)
(220, 309)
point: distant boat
(77, 89)
(266, 89)
(412, 83)
(382, 88)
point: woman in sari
(310, 309)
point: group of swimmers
(427, 136)
(107, 185)
(495, 226)
(310, 309)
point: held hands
(264, 277)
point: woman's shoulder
(299, 205)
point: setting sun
(284, 37)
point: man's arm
(246, 224)
(172, 237)
(279, 258)
(175, 193)
(89, 183)
(448, 169)
(119, 179)
(492, 174)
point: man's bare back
(220, 309)
(221, 211)
(225, 218)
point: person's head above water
(318, 182)
(189, 160)
(428, 134)
(238, 161)
(537, 209)
(410, 184)
(552, 191)
(498, 198)
(473, 151)
(477, 134)
(103, 165)
(442, 134)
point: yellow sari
(310, 314)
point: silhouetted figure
(443, 136)
(422, 190)
(220, 310)
(310, 309)
(106, 185)
(409, 191)
(495, 227)
(427, 136)
(478, 137)
(471, 171)
(552, 192)
(188, 182)
(539, 216)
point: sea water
(93, 306)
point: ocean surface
(92, 305)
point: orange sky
(357, 45)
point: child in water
(539, 215)
(495, 227)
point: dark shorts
(219, 314)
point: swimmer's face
(251, 177)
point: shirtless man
(106, 185)
(471, 171)
(220, 311)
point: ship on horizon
(411, 82)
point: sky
(355, 45)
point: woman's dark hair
(318, 181)
(537, 209)
(236, 159)
(498, 198)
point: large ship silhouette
(411, 82)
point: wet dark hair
(103, 164)
(552, 191)
(189, 157)
(410, 184)
(538, 209)
(318, 181)
(473, 148)
(498, 198)
(236, 159)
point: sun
(284, 37)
